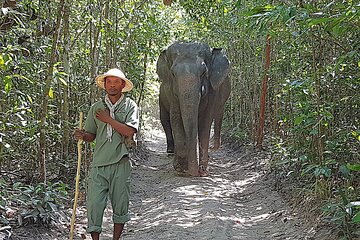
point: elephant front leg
(180, 162)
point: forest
(295, 76)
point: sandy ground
(236, 201)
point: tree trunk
(142, 89)
(107, 38)
(65, 105)
(94, 38)
(44, 110)
(318, 142)
(260, 135)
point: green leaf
(22, 77)
(2, 62)
(29, 98)
(322, 171)
(317, 21)
(109, 22)
(259, 10)
(314, 132)
(8, 84)
(353, 167)
(51, 93)
(63, 81)
(344, 171)
(356, 218)
(298, 119)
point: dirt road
(235, 202)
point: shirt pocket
(120, 115)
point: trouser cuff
(93, 229)
(121, 219)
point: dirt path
(235, 202)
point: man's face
(114, 85)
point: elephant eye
(204, 69)
(203, 90)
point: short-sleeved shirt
(109, 152)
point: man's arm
(123, 129)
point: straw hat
(115, 73)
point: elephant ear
(163, 67)
(219, 68)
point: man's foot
(118, 228)
(95, 235)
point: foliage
(312, 118)
(314, 98)
(344, 214)
(41, 204)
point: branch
(76, 38)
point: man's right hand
(79, 134)
(82, 134)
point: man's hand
(82, 134)
(79, 134)
(103, 115)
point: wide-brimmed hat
(115, 73)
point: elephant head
(192, 74)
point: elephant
(193, 92)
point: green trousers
(113, 182)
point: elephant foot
(183, 174)
(170, 147)
(170, 151)
(179, 167)
(203, 171)
(193, 173)
(180, 170)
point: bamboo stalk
(264, 87)
(79, 144)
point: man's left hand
(103, 115)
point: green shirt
(107, 152)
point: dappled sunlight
(234, 202)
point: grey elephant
(194, 89)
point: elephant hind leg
(169, 137)
(217, 129)
(165, 122)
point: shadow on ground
(235, 202)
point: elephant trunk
(189, 99)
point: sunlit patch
(232, 203)
(260, 217)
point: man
(109, 122)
